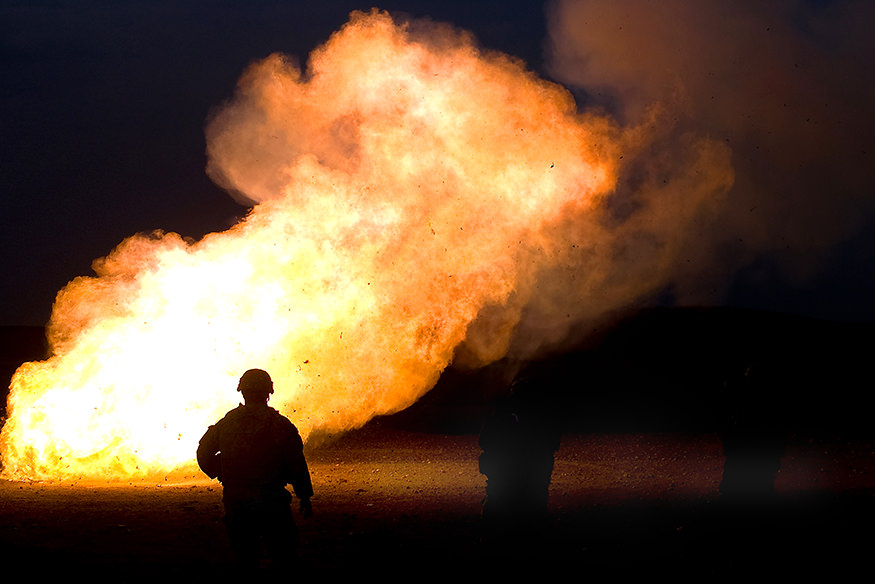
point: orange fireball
(402, 185)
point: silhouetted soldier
(753, 439)
(255, 451)
(518, 443)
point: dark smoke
(784, 86)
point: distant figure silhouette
(518, 443)
(753, 439)
(255, 451)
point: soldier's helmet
(255, 383)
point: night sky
(103, 106)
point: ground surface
(406, 506)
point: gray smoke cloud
(777, 95)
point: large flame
(404, 185)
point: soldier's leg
(241, 526)
(281, 535)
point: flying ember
(407, 191)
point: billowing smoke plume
(784, 87)
(558, 266)
(413, 198)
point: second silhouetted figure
(518, 444)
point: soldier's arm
(208, 457)
(298, 472)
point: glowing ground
(390, 500)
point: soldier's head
(255, 385)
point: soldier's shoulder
(231, 415)
(280, 418)
(282, 422)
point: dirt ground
(405, 505)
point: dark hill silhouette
(664, 369)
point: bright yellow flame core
(402, 185)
